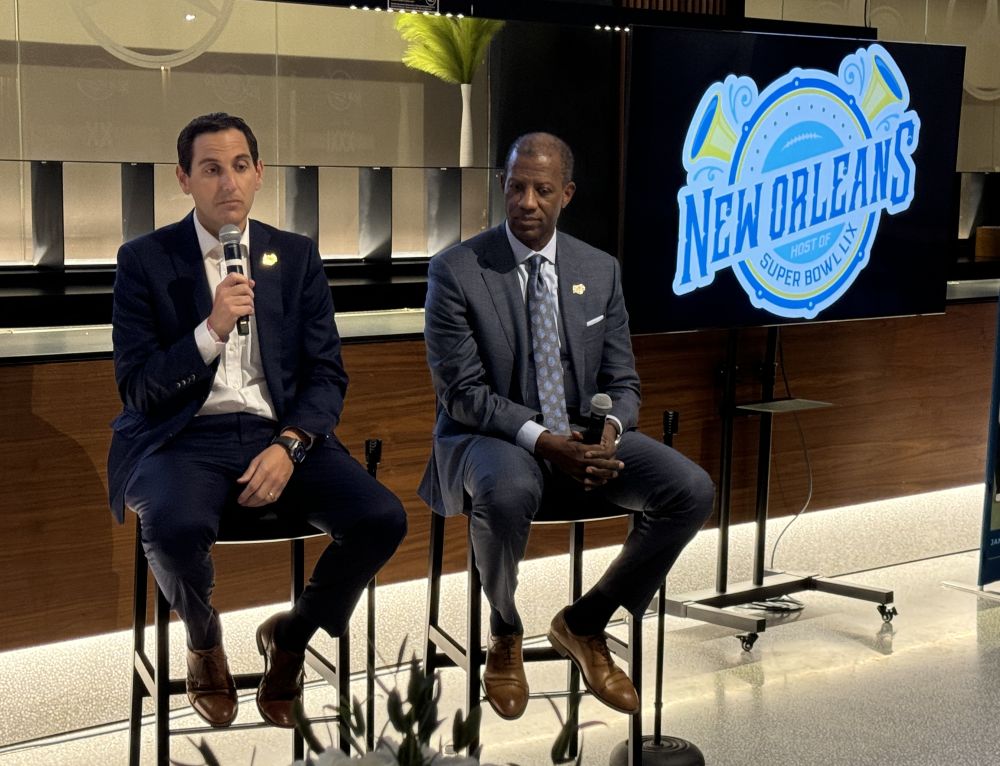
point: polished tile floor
(830, 685)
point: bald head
(542, 145)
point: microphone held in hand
(600, 408)
(232, 255)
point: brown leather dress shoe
(506, 685)
(601, 675)
(281, 685)
(210, 687)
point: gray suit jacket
(479, 346)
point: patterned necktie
(545, 350)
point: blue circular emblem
(803, 119)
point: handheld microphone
(232, 256)
(600, 408)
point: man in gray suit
(523, 326)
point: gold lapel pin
(269, 259)
(579, 288)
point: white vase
(465, 140)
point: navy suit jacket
(161, 295)
(479, 347)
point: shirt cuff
(529, 434)
(208, 346)
(618, 424)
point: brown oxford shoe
(601, 675)
(506, 685)
(281, 685)
(210, 687)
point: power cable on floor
(805, 450)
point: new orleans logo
(787, 186)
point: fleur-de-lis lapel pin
(269, 259)
(579, 288)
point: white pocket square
(595, 320)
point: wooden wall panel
(63, 564)
(911, 398)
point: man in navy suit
(213, 418)
(502, 449)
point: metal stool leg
(149, 677)
(576, 530)
(161, 694)
(344, 689)
(635, 672)
(342, 667)
(474, 640)
(373, 456)
(433, 591)
(298, 575)
(370, 666)
(139, 587)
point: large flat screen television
(775, 178)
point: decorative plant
(450, 49)
(415, 720)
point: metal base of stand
(709, 606)
(670, 751)
(976, 590)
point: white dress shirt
(239, 384)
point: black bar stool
(151, 676)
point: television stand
(710, 605)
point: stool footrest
(323, 667)
(452, 653)
(144, 669)
(241, 680)
(238, 726)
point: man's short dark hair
(535, 144)
(211, 123)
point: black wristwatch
(295, 448)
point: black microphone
(600, 408)
(229, 236)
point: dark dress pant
(670, 495)
(180, 490)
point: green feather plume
(448, 48)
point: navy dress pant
(180, 490)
